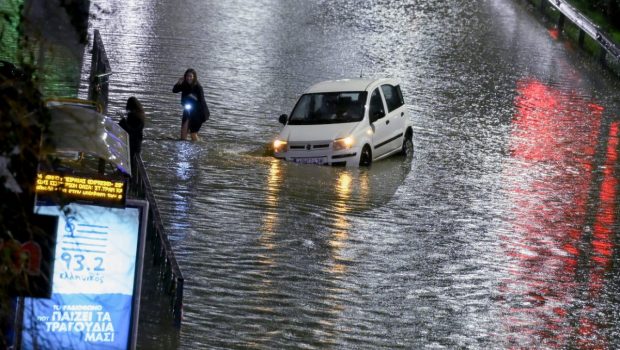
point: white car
(346, 122)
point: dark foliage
(78, 13)
(22, 120)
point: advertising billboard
(96, 280)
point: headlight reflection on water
(272, 199)
(341, 222)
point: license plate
(310, 160)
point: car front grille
(309, 146)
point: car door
(379, 123)
(395, 115)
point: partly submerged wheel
(407, 149)
(365, 156)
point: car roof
(359, 84)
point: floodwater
(500, 232)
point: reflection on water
(562, 219)
(498, 233)
(341, 224)
(270, 219)
(592, 327)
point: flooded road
(500, 232)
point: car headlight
(343, 143)
(279, 146)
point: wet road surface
(500, 232)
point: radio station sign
(84, 189)
(96, 280)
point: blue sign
(96, 280)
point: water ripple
(496, 234)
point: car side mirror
(283, 118)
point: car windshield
(329, 108)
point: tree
(23, 119)
(610, 9)
(613, 12)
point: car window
(393, 96)
(329, 108)
(376, 110)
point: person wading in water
(195, 110)
(133, 124)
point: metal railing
(163, 255)
(585, 26)
(140, 188)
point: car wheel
(365, 156)
(407, 149)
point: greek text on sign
(81, 188)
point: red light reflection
(549, 181)
(605, 218)
(554, 33)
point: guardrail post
(602, 56)
(606, 44)
(561, 21)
